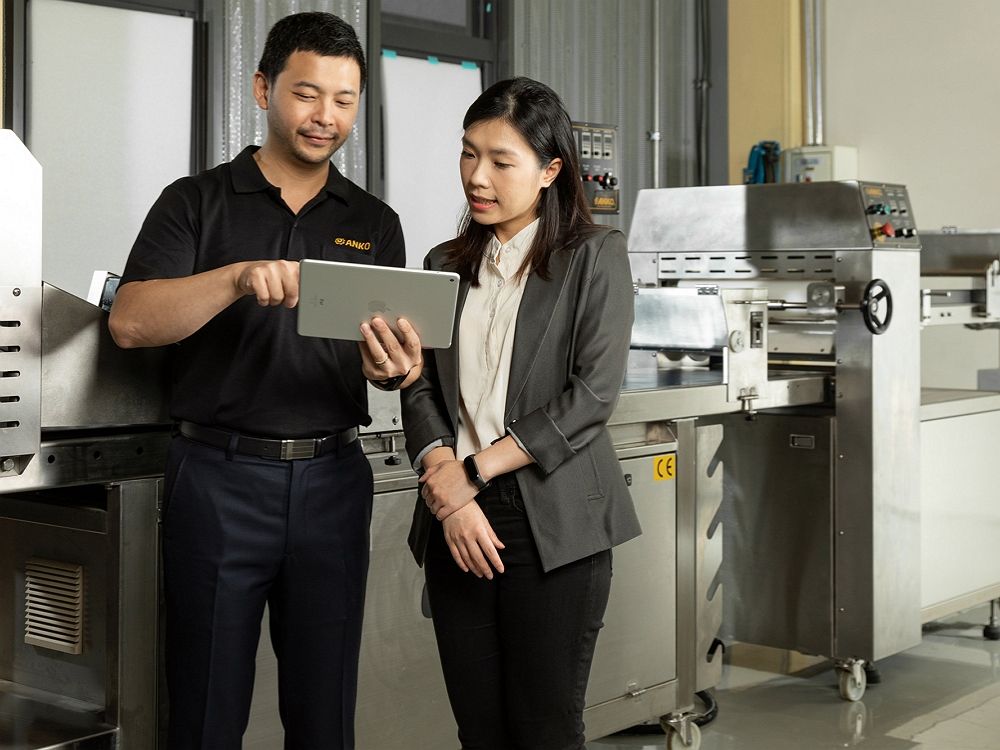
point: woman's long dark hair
(536, 112)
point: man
(246, 521)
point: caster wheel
(991, 632)
(675, 742)
(851, 687)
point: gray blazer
(570, 352)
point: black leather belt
(282, 450)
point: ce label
(664, 467)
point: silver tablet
(336, 298)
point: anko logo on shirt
(363, 247)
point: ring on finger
(380, 362)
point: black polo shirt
(247, 369)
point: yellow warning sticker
(664, 467)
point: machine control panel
(597, 148)
(890, 218)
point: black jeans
(516, 651)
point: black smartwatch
(392, 383)
(472, 471)
(389, 384)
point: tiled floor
(941, 695)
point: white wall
(109, 119)
(422, 146)
(915, 85)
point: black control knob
(613, 182)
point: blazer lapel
(534, 317)
(447, 359)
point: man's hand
(273, 282)
(385, 356)
(158, 312)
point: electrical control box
(597, 148)
(819, 164)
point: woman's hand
(472, 541)
(384, 357)
(446, 488)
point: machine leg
(992, 630)
(872, 674)
(851, 678)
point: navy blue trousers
(239, 532)
(516, 651)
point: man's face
(311, 105)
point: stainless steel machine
(960, 423)
(821, 504)
(82, 442)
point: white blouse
(486, 341)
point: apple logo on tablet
(377, 306)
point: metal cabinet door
(636, 649)
(402, 703)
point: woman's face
(502, 178)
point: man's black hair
(322, 33)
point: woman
(522, 495)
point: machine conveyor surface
(695, 393)
(650, 379)
(942, 403)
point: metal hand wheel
(877, 295)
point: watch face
(472, 471)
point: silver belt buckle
(294, 449)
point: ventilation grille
(9, 386)
(53, 605)
(746, 265)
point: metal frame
(481, 42)
(15, 64)
(15, 115)
(717, 145)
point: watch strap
(389, 384)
